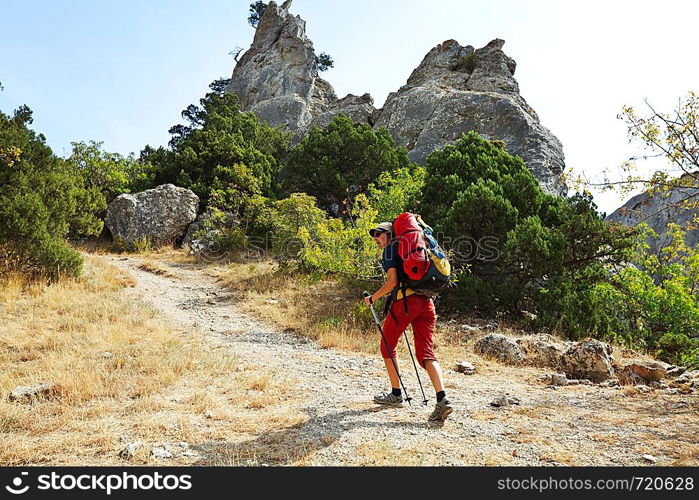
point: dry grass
(121, 375)
(105, 246)
(326, 310)
(156, 268)
(384, 452)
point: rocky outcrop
(457, 89)
(359, 108)
(659, 209)
(499, 347)
(277, 78)
(454, 90)
(160, 215)
(541, 350)
(589, 359)
(642, 372)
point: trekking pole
(395, 366)
(424, 398)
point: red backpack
(412, 247)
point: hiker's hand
(368, 301)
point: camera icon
(17, 483)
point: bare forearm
(388, 287)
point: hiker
(420, 314)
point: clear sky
(122, 71)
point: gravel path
(579, 425)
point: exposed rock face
(359, 108)
(589, 359)
(161, 214)
(457, 89)
(642, 372)
(646, 208)
(454, 90)
(277, 78)
(500, 347)
(541, 350)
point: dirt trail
(578, 425)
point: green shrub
(337, 163)
(41, 200)
(110, 173)
(396, 192)
(658, 297)
(224, 155)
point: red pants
(422, 316)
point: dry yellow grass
(121, 375)
(326, 310)
(156, 268)
(384, 452)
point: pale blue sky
(121, 71)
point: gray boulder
(161, 215)
(659, 209)
(588, 359)
(499, 347)
(457, 89)
(541, 350)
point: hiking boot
(389, 399)
(441, 411)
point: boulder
(641, 372)
(31, 392)
(161, 215)
(465, 367)
(499, 347)
(588, 359)
(541, 350)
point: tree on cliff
(324, 62)
(673, 136)
(257, 9)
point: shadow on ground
(292, 445)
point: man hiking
(420, 314)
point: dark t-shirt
(390, 258)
